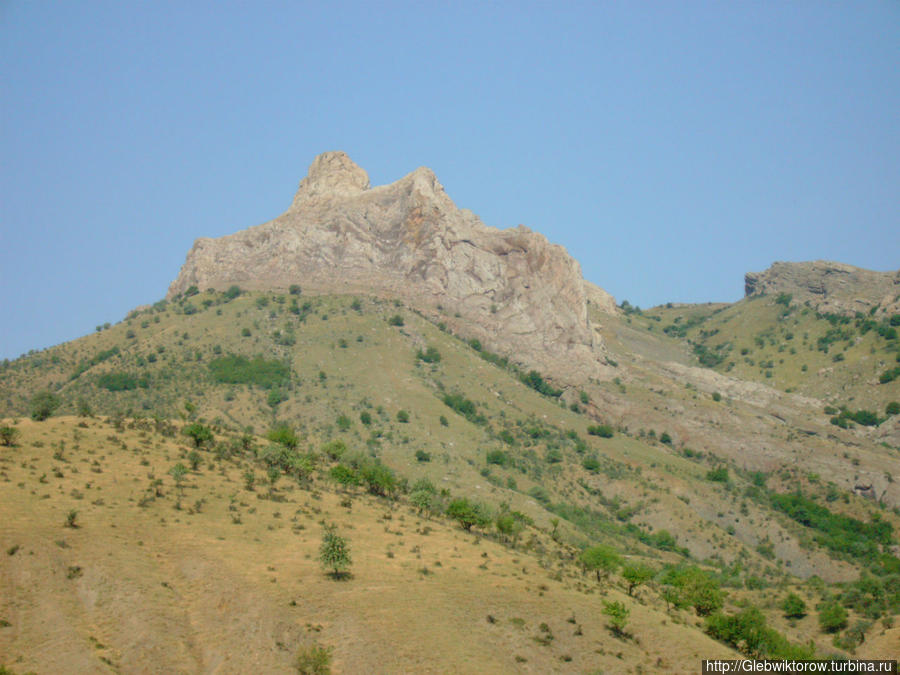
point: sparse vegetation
(43, 405)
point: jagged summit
(332, 174)
(511, 289)
(829, 286)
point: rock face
(829, 286)
(511, 289)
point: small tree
(334, 449)
(601, 559)
(636, 574)
(793, 606)
(511, 525)
(618, 616)
(8, 436)
(334, 553)
(284, 435)
(832, 617)
(468, 514)
(43, 405)
(178, 472)
(195, 458)
(198, 433)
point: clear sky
(670, 146)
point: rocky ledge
(829, 286)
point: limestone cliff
(512, 289)
(829, 286)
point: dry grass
(162, 589)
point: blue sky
(670, 146)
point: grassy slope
(191, 591)
(764, 341)
(640, 481)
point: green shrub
(892, 408)
(838, 532)
(636, 574)
(793, 606)
(696, 588)
(430, 355)
(378, 478)
(275, 397)
(313, 660)
(334, 449)
(601, 430)
(601, 559)
(784, 299)
(43, 405)
(536, 381)
(396, 320)
(468, 514)
(464, 407)
(344, 475)
(540, 494)
(264, 373)
(334, 552)
(867, 418)
(232, 292)
(832, 617)
(284, 435)
(665, 438)
(422, 456)
(591, 463)
(718, 475)
(343, 422)
(497, 457)
(8, 436)
(403, 417)
(617, 613)
(198, 433)
(511, 524)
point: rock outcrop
(513, 290)
(829, 286)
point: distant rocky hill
(829, 286)
(511, 289)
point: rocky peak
(513, 290)
(331, 174)
(829, 286)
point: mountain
(830, 287)
(516, 462)
(510, 289)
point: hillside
(509, 454)
(212, 575)
(473, 428)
